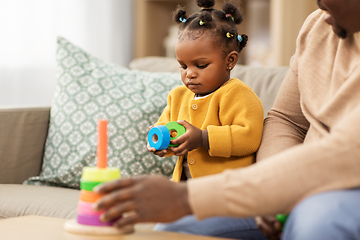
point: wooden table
(46, 228)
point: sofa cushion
(20, 200)
(88, 89)
(22, 139)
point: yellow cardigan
(233, 117)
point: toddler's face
(203, 65)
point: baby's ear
(232, 59)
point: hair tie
(239, 38)
(182, 19)
(229, 35)
(229, 15)
(201, 22)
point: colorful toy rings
(159, 137)
(94, 174)
(176, 130)
(87, 185)
(85, 208)
(92, 220)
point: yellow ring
(94, 174)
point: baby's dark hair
(220, 23)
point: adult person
(309, 158)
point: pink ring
(85, 208)
(92, 220)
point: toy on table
(159, 137)
(88, 221)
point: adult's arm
(285, 126)
(277, 184)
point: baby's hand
(190, 140)
(153, 150)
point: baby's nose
(190, 73)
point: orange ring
(89, 196)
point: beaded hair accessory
(230, 16)
(229, 35)
(182, 19)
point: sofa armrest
(23, 134)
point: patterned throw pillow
(88, 89)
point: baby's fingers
(150, 149)
(178, 141)
(160, 153)
(180, 150)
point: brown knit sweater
(311, 138)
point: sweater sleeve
(277, 184)
(285, 126)
(241, 117)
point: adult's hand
(148, 198)
(269, 226)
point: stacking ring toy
(95, 174)
(85, 208)
(159, 137)
(176, 130)
(92, 220)
(88, 221)
(88, 185)
(89, 196)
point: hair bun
(231, 9)
(244, 41)
(205, 3)
(178, 14)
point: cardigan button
(191, 161)
(194, 106)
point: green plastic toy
(282, 219)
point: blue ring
(163, 136)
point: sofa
(23, 135)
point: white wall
(28, 42)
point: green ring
(180, 129)
(87, 185)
